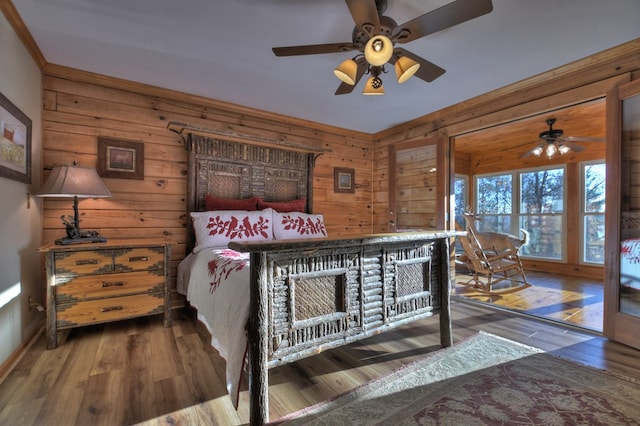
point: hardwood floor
(565, 299)
(138, 371)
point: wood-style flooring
(574, 301)
(140, 372)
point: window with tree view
(540, 201)
(593, 176)
(542, 212)
(534, 200)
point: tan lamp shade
(373, 87)
(347, 71)
(74, 181)
(378, 50)
(405, 68)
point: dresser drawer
(109, 309)
(104, 261)
(109, 285)
(138, 259)
(83, 262)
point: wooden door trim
(616, 325)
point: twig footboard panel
(311, 295)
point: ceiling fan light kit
(375, 36)
(347, 71)
(378, 50)
(405, 68)
(373, 87)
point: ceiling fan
(554, 142)
(375, 37)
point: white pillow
(216, 228)
(296, 225)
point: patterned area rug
(484, 380)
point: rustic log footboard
(316, 294)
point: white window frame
(516, 215)
(584, 214)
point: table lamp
(77, 182)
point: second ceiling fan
(375, 37)
(553, 141)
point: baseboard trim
(17, 355)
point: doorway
(562, 260)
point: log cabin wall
(580, 81)
(80, 107)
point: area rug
(484, 380)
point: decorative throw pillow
(212, 202)
(218, 228)
(298, 205)
(296, 225)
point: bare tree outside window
(494, 202)
(593, 175)
(541, 212)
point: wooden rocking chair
(494, 267)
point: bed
(295, 290)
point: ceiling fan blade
(345, 88)
(313, 49)
(428, 71)
(582, 139)
(442, 18)
(365, 14)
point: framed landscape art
(120, 159)
(15, 142)
(344, 180)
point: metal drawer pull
(139, 259)
(87, 262)
(112, 284)
(112, 308)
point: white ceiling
(222, 49)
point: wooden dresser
(102, 282)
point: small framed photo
(120, 159)
(15, 142)
(344, 180)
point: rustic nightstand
(102, 282)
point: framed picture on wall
(120, 159)
(344, 180)
(15, 142)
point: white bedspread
(216, 283)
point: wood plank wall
(576, 82)
(79, 107)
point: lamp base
(81, 240)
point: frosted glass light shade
(347, 71)
(539, 149)
(373, 87)
(405, 68)
(378, 50)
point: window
(592, 212)
(541, 214)
(493, 202)
(539, 196)
(460, 188)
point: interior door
(418, 176)
(622, 283)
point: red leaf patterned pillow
(218, 228)
(296, 225)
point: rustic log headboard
(237, 170)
